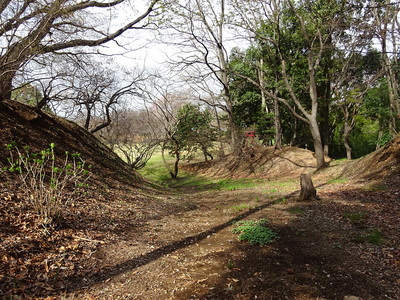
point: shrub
(42, 181)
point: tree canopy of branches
(300, 40)
(30, 29)
(198, 30)
(134, 134)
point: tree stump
(308, 191)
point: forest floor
(121, 238)
(180, 245)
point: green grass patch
(374, 236)
(280, 187)
(337, 180)
(236, 184)
(296, 210)
(281, 201)
(254, 232)
(271, 191)
(241, 207)
(155, 169)
(156, 172)
(355, 216)
(374, 187)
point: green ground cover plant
(255, 232)
(337, 180)
(241, 207)
(355, 215)
(373, 236)
(296, 210)
(235, 184)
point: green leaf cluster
(255, 232)
(193, 132)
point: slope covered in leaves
(266, 162)
(381, 164)
(24, 126)
(36, 260)
(259, 162)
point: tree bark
(318, 146)
(6, 84)
(278, 128)
(346, 141)
(308, 191)
(346, 134)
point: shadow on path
(108, 272)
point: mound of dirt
(266, 162)
(25, 126)
(383, 163)
(37, 259)
(262, 162)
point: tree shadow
(75, 283)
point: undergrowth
(43, 180)
(255, 232)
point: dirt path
(321, 253)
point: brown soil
(259, 162)
(122, 239)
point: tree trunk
(221, 152)
(236, 136)
(6, 84)
(346, 139)
(236, 139)
(278, 128)
(174, 174)
(264, 106)
(318, 146)
(308, 191)
(325, 127)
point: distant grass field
(156, 171)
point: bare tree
(134, 134)
(199, 29)
(32, 28)
(95, 91)
(386, 28)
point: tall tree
(32, 28)
(199, 30)
(302, 35)
(386, 27)
(252, 107)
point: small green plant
(255, 232)
(271, 191)
(233, 185)
(230, 264)
(373, 237)
(296, 210)
(374, 187)
(338, 180)
(281, 201)
(355, 216)
(240, 207)
(43, 182)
